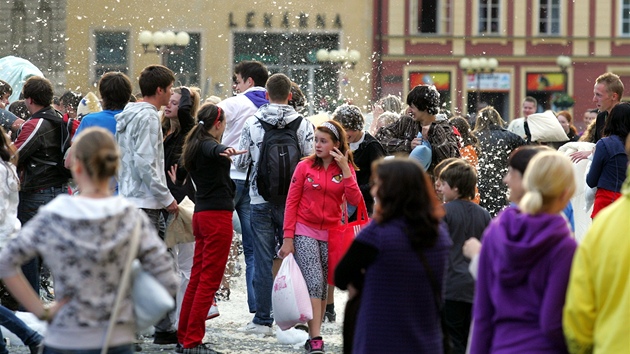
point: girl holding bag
(313, 206)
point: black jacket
(39, 151)
(368, 151)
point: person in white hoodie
(141, 178)
(250, 80)
(268, 218)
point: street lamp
(477, 66)
(349, 58)
(564, 62)
(164, 42)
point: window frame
(95, 66)
(488, 21)
(444, 23)
(549, 20)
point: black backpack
(279, 155)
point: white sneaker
(252, 328)
(213, 312)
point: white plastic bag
(289, 296)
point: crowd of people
(482, 218)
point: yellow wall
(211, 19)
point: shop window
(489, 16)
(549, 17)
(112, 52)
(431, 16)
(441, 81)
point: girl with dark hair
(495, 145)
(208, 164)
(318, 188)
(406, 241)
(608, 170)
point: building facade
(285, 36)
(423, 41)
(36, 30)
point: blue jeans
(121, 349)
(267, 223)
(30, 202)
(10, 321)
(242, 208)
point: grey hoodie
(141, 178)
(252, 136)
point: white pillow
(545, 128)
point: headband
(332, 127)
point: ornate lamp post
(478, 66)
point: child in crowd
(465, 219)
(319, 184)
(524, 265)
(208, 163)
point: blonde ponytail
(548, 175)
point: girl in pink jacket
(313, 206)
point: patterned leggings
(311, 256)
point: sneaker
(179, 349)
(330, 316)
(253, 328)
(36, 348)
(213, 312)
(200, 349)
(314, 346)
(165, 338)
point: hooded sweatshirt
(277, 115)
(85, 243)
(141, 177)
(523, 275)
(237, 110)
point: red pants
(213, 239)
(603, 198)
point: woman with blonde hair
(524, 265)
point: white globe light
(182, 39)
(464, 64)
(493, 63)
(483, 63)
(145, 37)
(159, 38)
(334, 55)
(354, 55)
(475, 64)
(169, 37)
(322, 55)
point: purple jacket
(523, 275)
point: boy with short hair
(268, 217)
(465, 219)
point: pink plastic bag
(289, 296)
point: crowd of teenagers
(482, 238)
